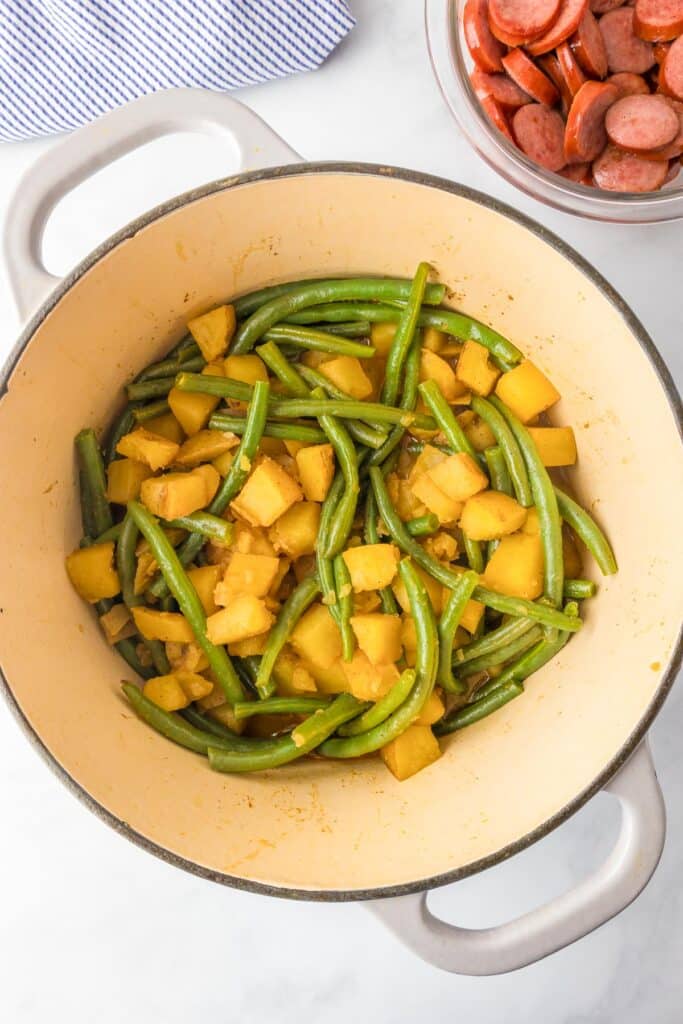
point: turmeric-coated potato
(292, 678)
(382, 337)
(372, 566)
(316, 469)
(556, 445)
(174, 494)
(205, 446)
(491, 514)
(409, 753)
(475, 369)
(458, 476)
(151, 449)
(316, 637)
(156, 625)
(296, 531)
(433, 367)
(244, 617)
(124, 477)
(426, 491)
(92, 573)
(267, 494)
(516, 566)
(348, 374)
(249, 369)
(213, 331)
(247, 573)
(432, 711)
(117, 624)
(204, 580)
(193, 411)
(378, 636)
(476, 430)
(527, 391)
(166, 426)
(367, 681)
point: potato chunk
(156, 625)
(477, 431)
(348, 374)
(491, 514)
(176, 494)
(166, 426)
(433, 367)
(296, 531)
(382, 337)
(527, 391)
(117, 624)
(204, 580)
(205, 446)
(124, 477)
(267, 494)
(246, 616)
(426, 491)
(151, 449)
(516, 566)
(249, 369)
(458, 476)
(372, 566)
(191, 410)
(367, 681)
(409, 753)
(177, 689)
(213, 331)
(316, 469)
(247, 574)
(291, 676)
(92, 573)
(432, 711)
(316, 637)
(556, 445)
(379, 636)
(475, 370)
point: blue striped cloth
(64, 62)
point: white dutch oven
(320, 830)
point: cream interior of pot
(316, 825)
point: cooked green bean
(473, 554)
(368, 434)
(92, 467)
(318, 292)
(403, 338)
(426, 664)
(344, 591)
(210, 725)
(340, 526)
(294, 408)
(205, 524)
(87, 518)
(384, 707)
(479, 709)
(188, 601)
(323, 561)
(280, 706)
(249, 303)
(189, 358)
(317, 341)
(517, 606)
(283, 431)
(509, 446)
(423, 526)
(296, 604)
(411, 375)
(112, 533)
(445, 418)
(175, 728)
(492, 641)
(146, 389)
(546, 506)
(150, 411)
(448, 623)
(371, 536)
(231, 484)
(504, 653)
(498, 470)
(359, 329)
(579, 590)
(125, 566)
(123, 424)
(283, 369)
(585, 527)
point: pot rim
(674, 399)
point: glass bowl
(451, 63)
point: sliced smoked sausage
(671, 71)
(504, 91)
(641, 123)
(618, 171)
(658, 20)
(625, 51)
(539, 132)
(585, 136)
(486, 50)
(568, 20)
(573, 75)
(528, 77)
(517, 22)
(629, 84)
(589, 47)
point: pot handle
(75, 158)
(549, 928)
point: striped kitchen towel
(65, 62)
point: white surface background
(91, 928)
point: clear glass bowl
(451, 62)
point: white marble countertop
(91, 928)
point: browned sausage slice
(658, 20)
(578, 172)
(603, 6)
(625, 51)
(528, 77)
(516, 22)
(539, 132)
(503, 89)
(589, 47)
(660, 51)
(629, 84)
(571, 13)
(551, 67)
(494, 111)
(573, 75)
(486, 50)
(618, 171)
(641, 123)
(671, 71)
(585, 136)
(675, 148)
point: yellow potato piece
(204, 580)
(213, 331)
(516, 566)
(186, 657)
(166, 426)
(433, 367)
(426, 491)
(491, 514)
(316, 469)
(527, 391)
(205, 446)
(247, 574)
(222, 463)
(382, 337)
(435, 591)
(348, 374)
(409, 753)
(193, 411)
(92, 573)
(166, 692)
(372, 566)
(434, 339)
(156, 625)
(245, 617)
(250, 646)
(249, 369)
(296, 531)
(432, 711)
(124, 477)
(477, 431)
(151, 449)
(475, 370)
(458, 476)
(316, 637)
(117, 624)
(367, 681)
(174, 494)
(291, 676)
(556, 445)
(267, 494)
(378, 636)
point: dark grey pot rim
(668, 387)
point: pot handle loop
(70, 161)
(549, 928)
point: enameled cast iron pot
(319, 830)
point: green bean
(323, 561)
(181, 587)
(384, 707)
(494, 640)
(411, 375)
(175, 728)
(280, 706)
(210, 725)
(122, 425)
(231, 484)
(317, 341)
(448, 623)
(546, 505)
(340, 526)
(344, 591)
(445, 418)
(359, 329)
(498, 470)
(343, 312)
(283, 431)
(283, 369)
(517, 606)
(371, 536)
(317, 292)
(504, 653)
(296, 604)
(112, 533)
(426, 664)
(423, 526)
(146, 389)
(87, 519)
(249, 303)
(588, 531)
(125, 566)
(368, 434)
(294, 408)
(205, 524)
(403, 338)
(473, 554)
(150, 411)
(92, 467)
(579, 590)
(304, 739)
(509, 446)
(192, 361)
(479, 709)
